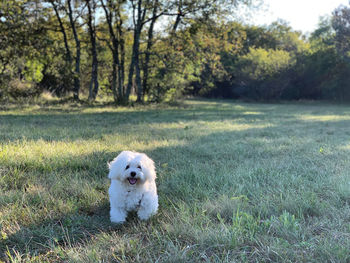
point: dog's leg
(118, 215)
(148, 207)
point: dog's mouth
(132, 181)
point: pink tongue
(132, 180)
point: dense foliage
(163, 49)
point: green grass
(237, 182)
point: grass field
(237, 182)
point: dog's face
(133, 173)
(132, 168)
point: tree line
(155, 50)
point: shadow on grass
(72, 124)
(71, 231)
(60, 126)
(65, 231)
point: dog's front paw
(145, 214)
(118, 216)
(148, 207)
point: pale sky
(303, 15)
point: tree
(192, 14)
(23, 39)
(93, 87)
(72, 21)
(150, 33)
(261, 73)
(139, 10)
(341, 26)
(63, 31)
(57, 6)
(114, 20)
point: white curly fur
(133, 186)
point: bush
(262, 73)
(20, 88)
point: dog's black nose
(132, 174)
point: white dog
(133, 186)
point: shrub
(262, 73)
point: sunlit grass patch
(237, 182)
(324, 118)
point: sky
(302, 15)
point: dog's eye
(139, 167)
(127, 167)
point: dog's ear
(117, 166)
(148, 167)
(114, 171)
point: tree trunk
(114, 82)
(63, 31)
(114, 49)
(135, 63)
(138, 77)
(93, 90)
(121, 69)
(148, 49)
(77, 57)
(177, 22)
(135, 51)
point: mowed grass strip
(237, 182)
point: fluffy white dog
(133, 186)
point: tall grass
(237, 183)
